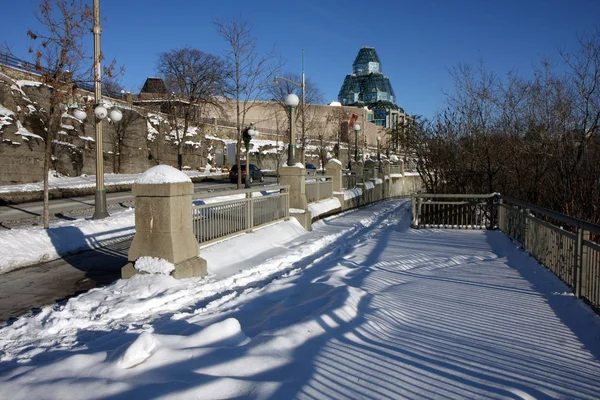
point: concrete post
(293, 176)
(357, 168)
(163, 223)
(370, 169)
(334, 169)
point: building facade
(367, 87)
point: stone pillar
(163, 223)
(387, 171)
(358, 169)
(371, 167)
(334, 169)
(294, 178)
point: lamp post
(357, 132)
(248, 135)
(292, 102)
(379, 153)
(100, 112)
(301, 85)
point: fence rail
(14, 62)
(221, 214)
(318, 188)
(453, 211)
(561, 243)
(396, 169)
(349, 180)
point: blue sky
(417, 41)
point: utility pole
(303, 107)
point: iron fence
(221, 214)
(561, 243)
(318, 188)
(453, 211)
(17, 63)
(349, 180)
(396, 169)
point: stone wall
(74, 147)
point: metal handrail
(568, 251)
(575, 222)
(217, 220)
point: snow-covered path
(362, 307)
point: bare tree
(119, 134)
(59, 57)
(195, 80)
(306, 116)
(251, 74)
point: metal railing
(17, 63)
(561, 243)
(453, 211)
(369, 173)
(217, 215)
(396, 169)
(318, 188)
(349, 180)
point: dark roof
(154, 85)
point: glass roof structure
(366, 85)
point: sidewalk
(361, 307)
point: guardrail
(17, 63)
(396, 169)
(318, 188)
(453, 211)
(565, 245)
(349, 180)
(217, 215)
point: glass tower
(367, 86)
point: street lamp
(100, 112)
(357, 132)
(379, 153)
(248, 135)
(292, 102)
(301, 85)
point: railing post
(524, 229)
(413, 212)
(500, 214)
(249, 212)
(492, 213)
(579, 261)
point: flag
(352, 121)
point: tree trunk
(47, 159)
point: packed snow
(361, 307)
(63, 237)
(162, 174)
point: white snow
(324, 206)
(89, 181)
(162, 174)
(361, 307)
(352, 193)
(63, 237)
(154, 265)
(28, 83)
(335, 160)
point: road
(85, 204)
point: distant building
(367, 87)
